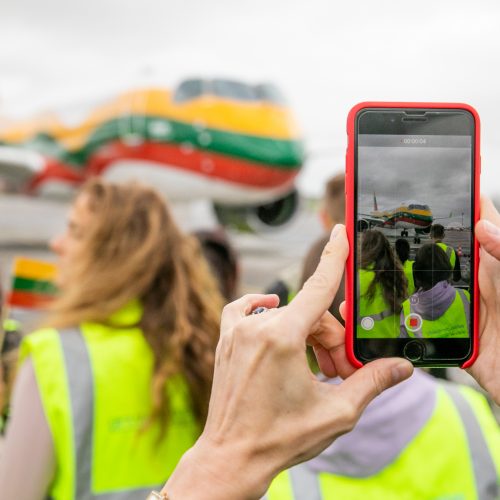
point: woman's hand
(267, 410)
(486, 369)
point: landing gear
(416, 240)
(404, 233)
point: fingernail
(335, 231)
(491, 228)
(401, 371)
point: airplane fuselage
(405, 217)
(224, 149)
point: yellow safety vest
(454, 323)
(95, 387)
(455, 456)
(450, 253)
(408, 269)
(375, 313)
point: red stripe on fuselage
(55, 171)
(415, 222)
(204, 163)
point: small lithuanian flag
(32, 283)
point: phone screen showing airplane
(413, 233)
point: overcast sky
(325, 55)
(438, 177)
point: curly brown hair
(133, 249)
(376, 253)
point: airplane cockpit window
(234, 90)
(270, 93)
(229, 89)
(188, 89)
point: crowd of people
(148, 371)
(392, 288)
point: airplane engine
(363, 225)
(259, 218)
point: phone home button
(413, 351)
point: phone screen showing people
(414, 237)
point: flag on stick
(32, 283)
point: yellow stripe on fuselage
(249, 118)
(413, 211)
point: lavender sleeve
(27, 459)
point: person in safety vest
(402, 248)
(116, 388)
(382, 288)
(331, 212)
(437, 309)
(437, 235)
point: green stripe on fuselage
(423, 218)
(279, 153)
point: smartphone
(412, 201)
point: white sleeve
(27, 458)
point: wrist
(211, 471)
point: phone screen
(414, 239)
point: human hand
(486, 368)
(267, 410)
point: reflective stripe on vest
(377, 309)
(301, 483)
(408, 269)
(485, 472)
(81, 391)
(450, 253)
(94, 384)
(409, 308)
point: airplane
(231, 142)
(407, 215)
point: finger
(328, 339)
(488, 236)
(488, 228)
(343, 310)
(325, 362)
(243, 306)
(319, 290)
(372, 379)
(489, 211)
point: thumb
(372, 379)
(488, 236)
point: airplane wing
(373, 221)
(19, 166)
(23, 171)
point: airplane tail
(375, 206)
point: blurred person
(261, 364)
(222, 259)
(437, 235)
(444, 310)
(382, 287)
(116, 389)
(402, 248)
(331, 212)
(10, 338)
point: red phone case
(350, 217)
